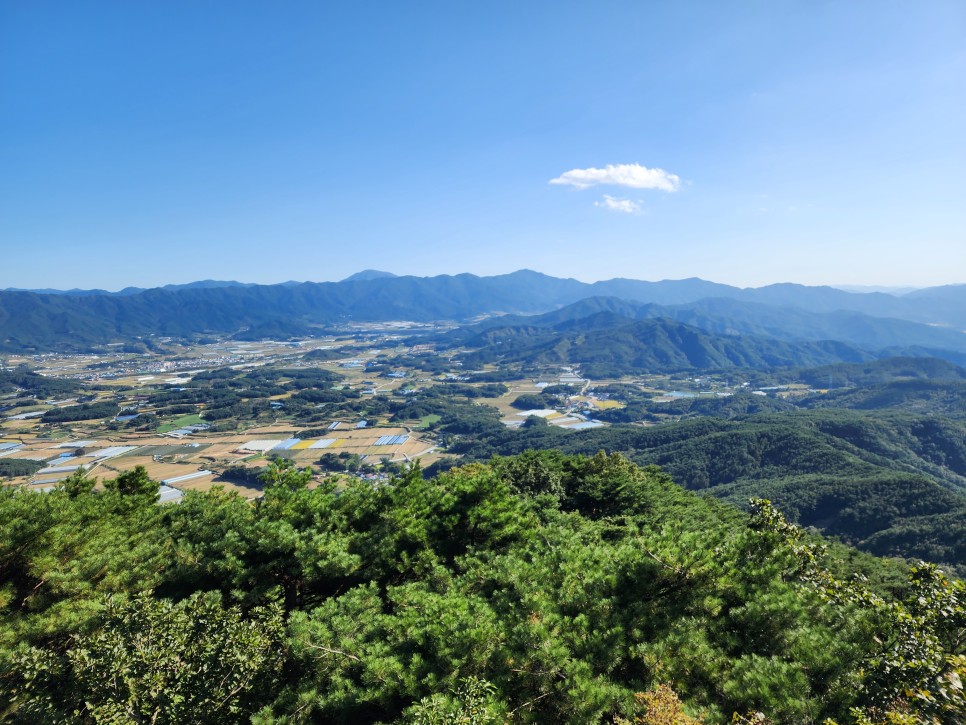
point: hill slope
(607, 344)
(892, 483)
(536, 589)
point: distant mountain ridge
(35, 321)
(368, 274)
(898, 291)
(200, 284)
(728, 316)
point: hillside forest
(537, 588)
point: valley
(836, 435)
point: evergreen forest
(541, 587)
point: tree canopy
(536, 588)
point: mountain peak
(368, 274)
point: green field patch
(193, 419)
(428, 420)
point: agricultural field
(362, 403)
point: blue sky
(744, 142)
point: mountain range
(930, 319)
(727, 316)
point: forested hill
(934, 397)
(56, 321)
(535, 589)
(607, 344)
(888, 370)
(30, 383)
(891, 483)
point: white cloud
(623, 205)
(632, 175)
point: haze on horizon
(157, 143)
(897, 290)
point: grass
(428, 420)
(181, 422)
(608, 404)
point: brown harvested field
(171, 452)
(144, 439)
(25, 426)
(216, 451)
(361, 442)
(203, 484)
(302, 458)
(165, 471)
(224, 452)
(36, 454)
(157, 471)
